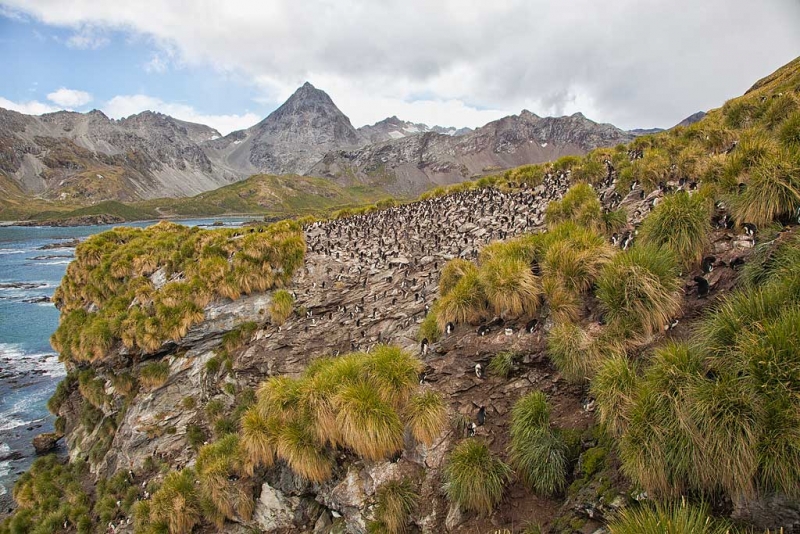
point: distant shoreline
(94, 220)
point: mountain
(394, 128)
(80, 159)
(87, 156)
(412, 164)
(691, 119)
(688, 121)
(290, 140)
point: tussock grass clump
(464, 303)
(429, 329)
(532, 175)
(219, 466)
(613, 387)
(175, 507)
(669, 518)
(639, 290)
(502, 364)
(580, 205)
(773, 191)
(92, 389)
(426, 415)
(358, 401)
(681, 224)
(115, 274)
(474, 477)
(154, 375)
(396, 500)
(281, 307)
(453, 271)
(510, 287)
(576, 353)
(369, 424)
(538, 453)
(789, 133)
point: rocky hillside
(598, 344)
(410, 165)
(72, 160)
(394, 128)
(291, 139)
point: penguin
(483, 330)
(478, 370)
(671, 325)
(708, 264)
(531, 326)
(422, 377)
(423, 348)
(735, 263)
(482, 415)
(750, 229)
(471, 430)
(449, 328)
(702, 286)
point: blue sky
(633, 63)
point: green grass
(219, 467)
(682, 224)
(154, 375)
(281, 307)
(502, 364)
(176, 504)
(112, 272)
(395, 502)
(453, 271)
(580, 205)
(510, 287)
(613, 387)
(464, 303)
(773, 190)
(640, 291)
(474, 477)
(425, 415)
(669, 518)
(537, 452)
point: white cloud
(69, 98)
(639, 63)
(88, 38)
(126, 105)
(157, 64)
(32, 107)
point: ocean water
(29, 367)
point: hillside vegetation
(689, 424)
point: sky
(633, 63)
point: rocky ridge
(410, 165)
(370, 279)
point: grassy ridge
(261, 194)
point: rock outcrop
(412, 164)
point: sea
(33, 260)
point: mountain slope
(413, 164)
(291, 139)
(394, 128)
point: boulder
(45, 443)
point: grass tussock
(613, 387)
(681, 224)
(154, 375)
(503, 364)
(362, 402)
(475, 477)
(576, 353)
(281, 307)
(396, 500)
(640, 291)
(452, 272)
(175, 507)
(772, 192)
(426, 415)
(580, 205)
(538, 453)
(669, 518)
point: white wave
(4, 448)
(5, 251)
(11, 423)
(53, 262)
